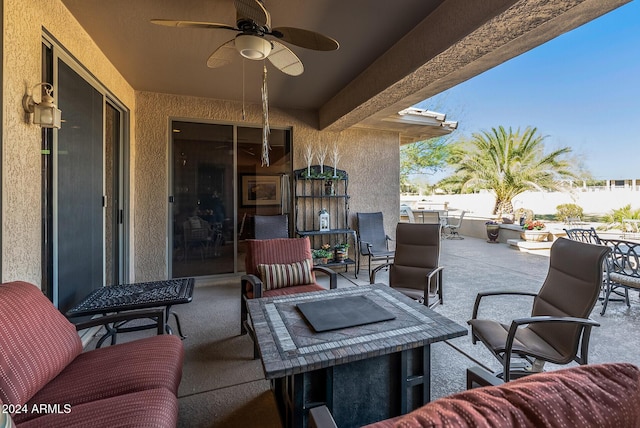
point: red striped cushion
(36, 342)
(271, 251)
(285, 275)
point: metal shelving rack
(312, 193)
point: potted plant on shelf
(493, 230)
(322, 255)
(340, 251)
(534, 230)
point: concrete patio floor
(472, 265)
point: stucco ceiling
(392, 53)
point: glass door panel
(78, 195)
(203, 199)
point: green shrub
(615, 217)
(565, 211)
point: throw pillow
(285, 275)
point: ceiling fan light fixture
(253, 47)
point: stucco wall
(370, 158)
(21, 161)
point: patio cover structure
(391, 57)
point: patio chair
(623, 270)
(559, 323)
(276, 267)
(373, 242)
(271, 226)
(450, 229)
(416, 270)
(406, 211)
(197, 233)
(589, 235)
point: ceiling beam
(460, 40)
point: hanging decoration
(265, 119)
(244, 113)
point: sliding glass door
(211, 208)
(83, 185)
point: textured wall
(370, 158)
(21, 192)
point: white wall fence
(594, 201)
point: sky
(581, 90)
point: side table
(128, 297)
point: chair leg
(605, 301)
(243, 313)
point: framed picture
(260, 190)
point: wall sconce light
(45, 113)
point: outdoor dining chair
(450, 228)
(559, 325)
(373, 242)
(416, 270)
(623, 271)
(584, 235)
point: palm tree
(508, 163)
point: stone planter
(534, 235)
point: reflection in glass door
(202, 206)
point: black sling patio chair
(559, 325)
(416, 270)
(373, 242)
(271, 226)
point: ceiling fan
(258, 40)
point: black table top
(125, 297)
(289, 345)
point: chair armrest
(320, 417)
(333, 277)
(255, 283)
(586, 323)
(155, 313)
(433, 272)
(372, 277)
(482, 294)
(539, 319)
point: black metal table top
(289, 345)
(125, 297)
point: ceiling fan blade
(191, 24)
(305, 38)
(224, 55)
(254, 10)
(285, 60)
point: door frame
(59, 53)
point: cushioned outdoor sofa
(47, 381)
